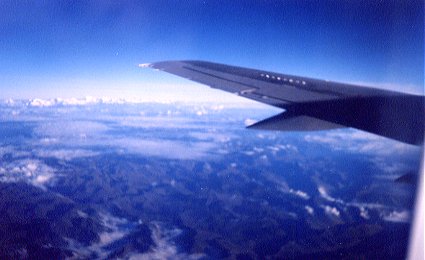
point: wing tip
(145, 65)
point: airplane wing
(312, 104)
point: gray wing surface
(312, 104)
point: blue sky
(79, 48)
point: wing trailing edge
(395, 117)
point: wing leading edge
(312, 104)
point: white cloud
(41, 103)
(344, 139)
(66, 154)
(13, 151)
(201, 112)
(320, 139)
(364, 213)
(88, 100)
(364, 208)
(309, 209)
(167, 120)
(331, 211)
(288, 147)
(391, 168)
(376, 206)
(30, 171)
(300, 194)
(212, 136)
(378, 149)
(114, 229)
(218, 107)
(258, 150)
(274, 148)
(76, 136)
(165, 148)
(159, 121)
(284, 187)
(67, 129)
(164, 247)
(82, 214)
(397, 216)
(173, 183)
(250, 121)
(324, 194)
(111, 236)
(249, 153)
(41, 179)
(359, 141)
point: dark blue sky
(79, 48)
